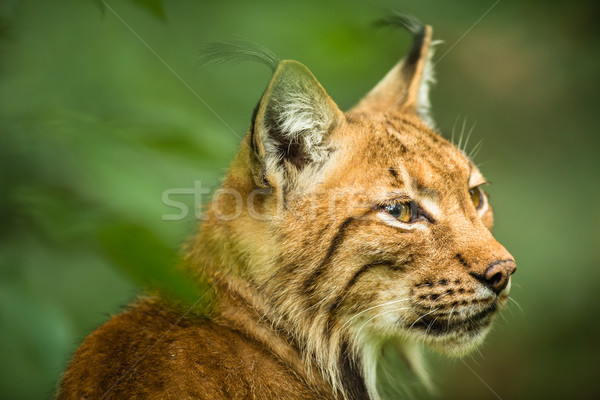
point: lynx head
(360, 227)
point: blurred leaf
(32, 344)
(101, 6)
(154, 7)
(147, 259)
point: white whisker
(462, 133)
(454, 129)
(469, 136)
(370, 308)
(375, 316)
(475, 151)
(517, 304)
(430, 324)
(450, 316)
(424, 315)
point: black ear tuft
(412, 25)
(405, 89)
(236, 51)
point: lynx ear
(292, 123)
(405, 88)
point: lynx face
(403, 232)
(361, 227)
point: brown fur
(314, 276)
(159, 356)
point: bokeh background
(103, 107)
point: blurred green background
(94, 127)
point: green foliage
(154, 7)
(143, 256)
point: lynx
(338, 234)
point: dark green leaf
(143, 256)
(154, 7)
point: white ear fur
(302, 118)
(427, 80)
(293, 121)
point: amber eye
(476, 197)
(400, 211)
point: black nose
(497, 275)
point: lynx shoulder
(337, 233)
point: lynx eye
(401, 211)
(476, 197)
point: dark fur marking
(435, 138)
(262, 175)
(337, 240)
(397, 143)
(366, 268)
(354, 118)
(419, 127)
(395, 175)
(352, 379)
(282, 285)
(331, 316)
(322, 232)
(462, 261)
(253, 125)
(361, 271)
